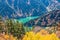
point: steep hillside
(27, 8)
(46, 20)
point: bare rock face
(58, 26)
(37, 29)
(58, 34)
(58, 30)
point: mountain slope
(46, 20)
(27, 8)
